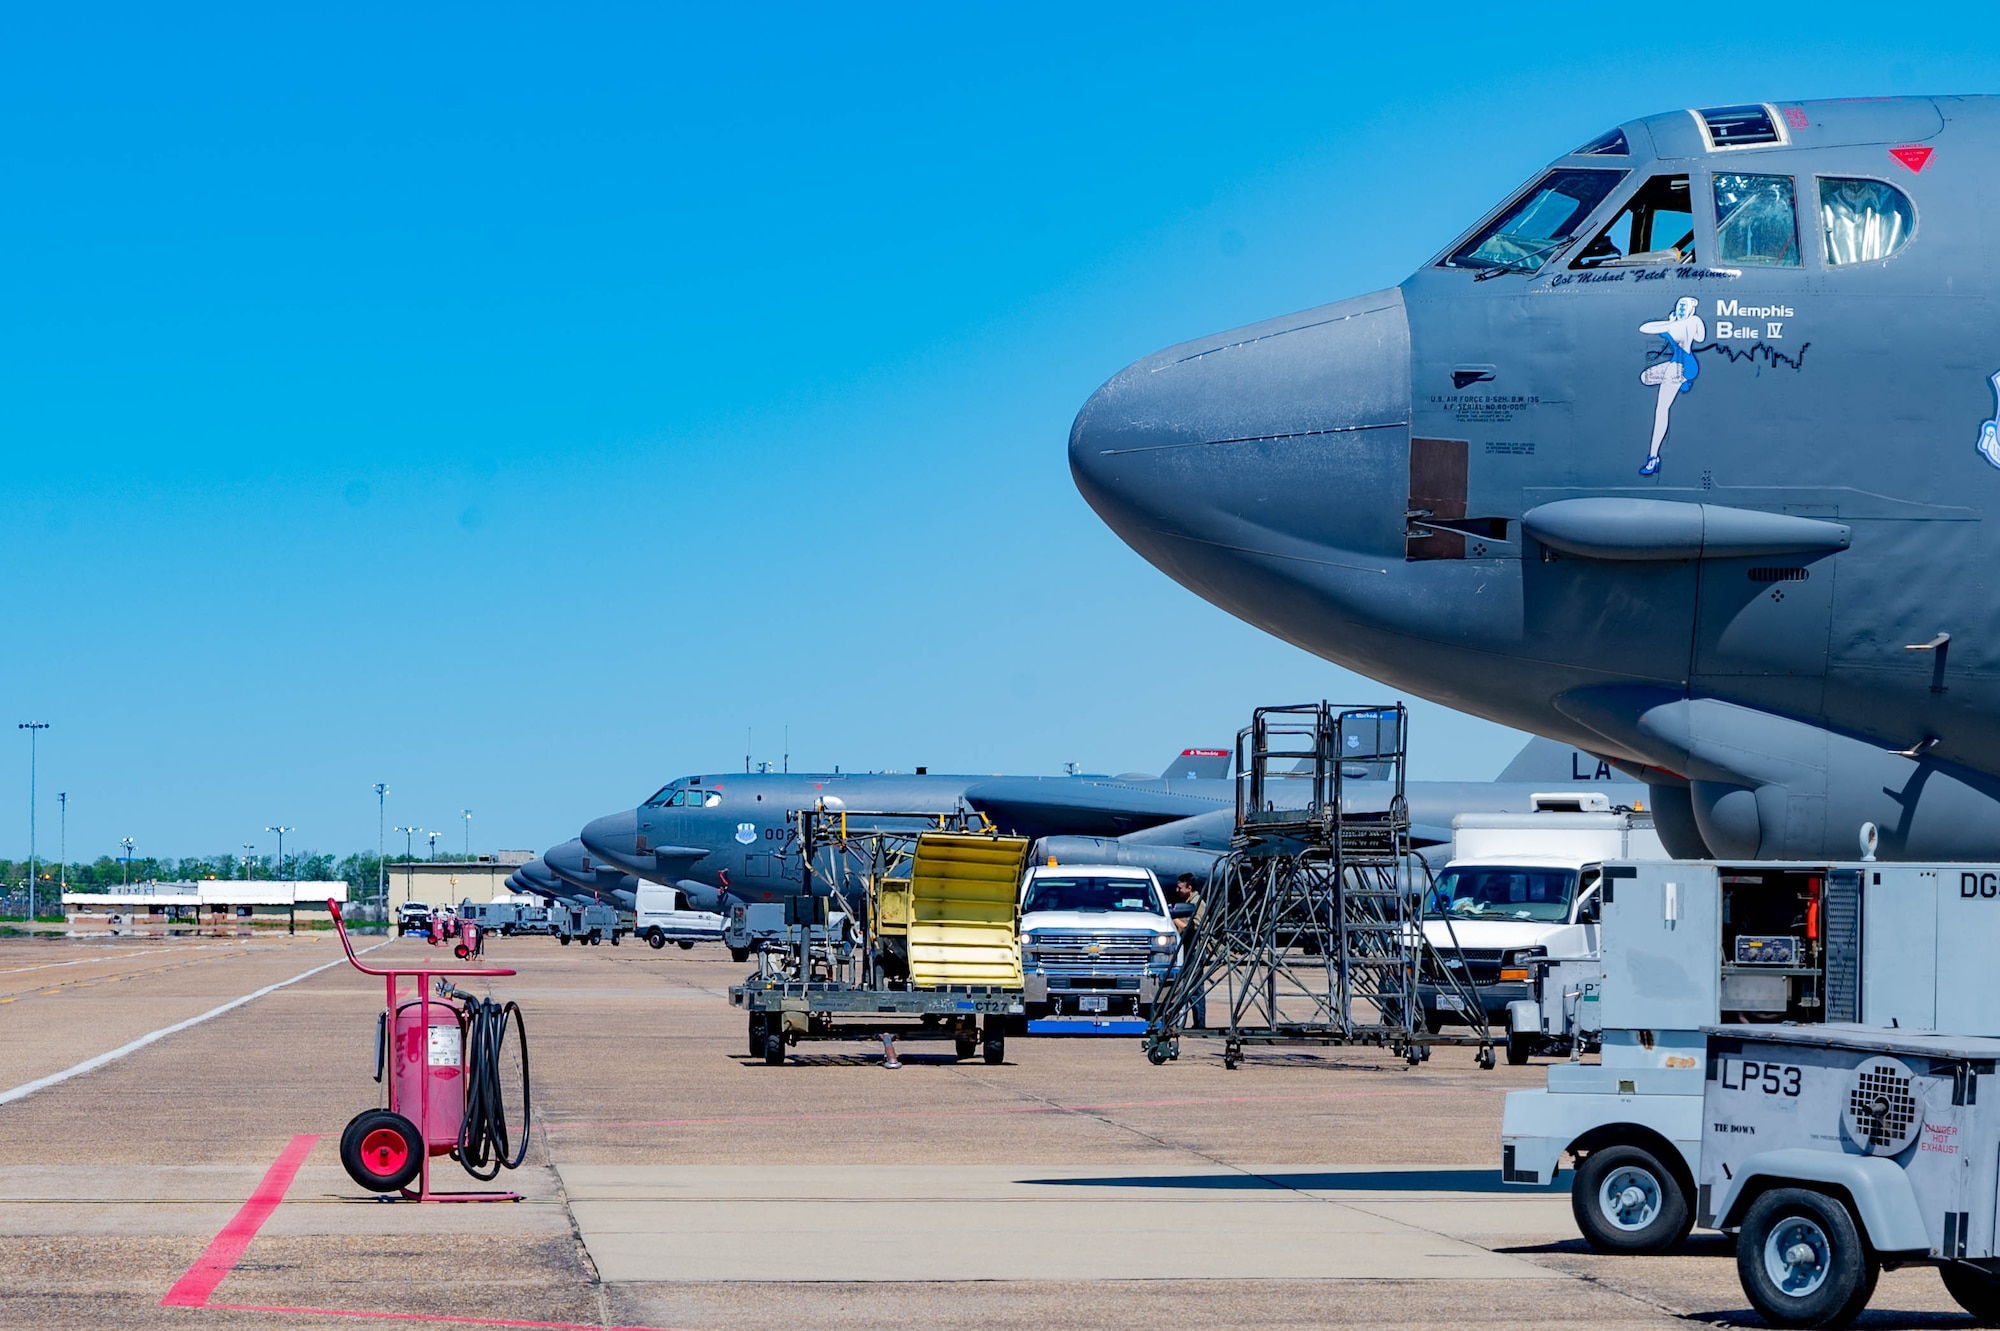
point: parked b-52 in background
(1681, 455)
(721, 836)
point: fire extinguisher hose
(484, 1140)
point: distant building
(448, 882)
(208, 898)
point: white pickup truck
(661, 915)
(1520, 892)
(1096, 941)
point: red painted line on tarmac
(222, 1254)
(210, 1269)
(427, 1317)
(1007, 1109)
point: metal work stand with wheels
(1310, 930)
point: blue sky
(514, 407)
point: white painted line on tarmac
(85, 961)
(92, 1064)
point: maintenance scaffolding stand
(1311, 928)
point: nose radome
(1272, 439)
(614, 838)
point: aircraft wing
(1036, 806)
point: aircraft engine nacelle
(1762, 786)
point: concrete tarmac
(675, 1182)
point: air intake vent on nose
(1779, 574)
(1882, 1110)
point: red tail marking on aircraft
(1912, 156)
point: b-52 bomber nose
(1281, 448)
(614, 839)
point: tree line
(360, 871)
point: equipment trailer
(906, 929)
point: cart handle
(333, 908)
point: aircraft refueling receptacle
(1498, 485)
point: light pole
(381, 843)
(467, 815)
(62, 839)
(409, 879)
(281, 847)
(434, 844)
(34, 729)
(249, 862)
(126, 842)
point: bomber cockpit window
(660, 797)
(1863, 219)
(1611, 143)
(1756, 221)
(1657, 226)
(1537, 224)
(695, 798)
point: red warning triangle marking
(1913, 157)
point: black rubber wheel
(614, 940)
(381, 1151)
(995, 1048)
(563, 939)
(1520, 1048)
(687, 944)
(1973, 1290)
(1156, 1054)
(739, 954)
(656, 940)
(966, 1046)
(758, 1025)
(460, 952)
(1626, 1200)
(1802, 1260)
(774, 1049)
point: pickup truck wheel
(1802, 1260)
(1626, 1201)
(1974, 1291)
(687, 944)
(1520, 1048)
(739, 954)
(656, 940)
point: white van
(661, 915)
(1520, 891)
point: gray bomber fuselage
(1389, 481)
(734, 833)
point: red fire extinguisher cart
(423, 1053)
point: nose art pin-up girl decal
(1676, 373)
(1989, 433)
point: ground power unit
(1692, 944)
(1834, 1151)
